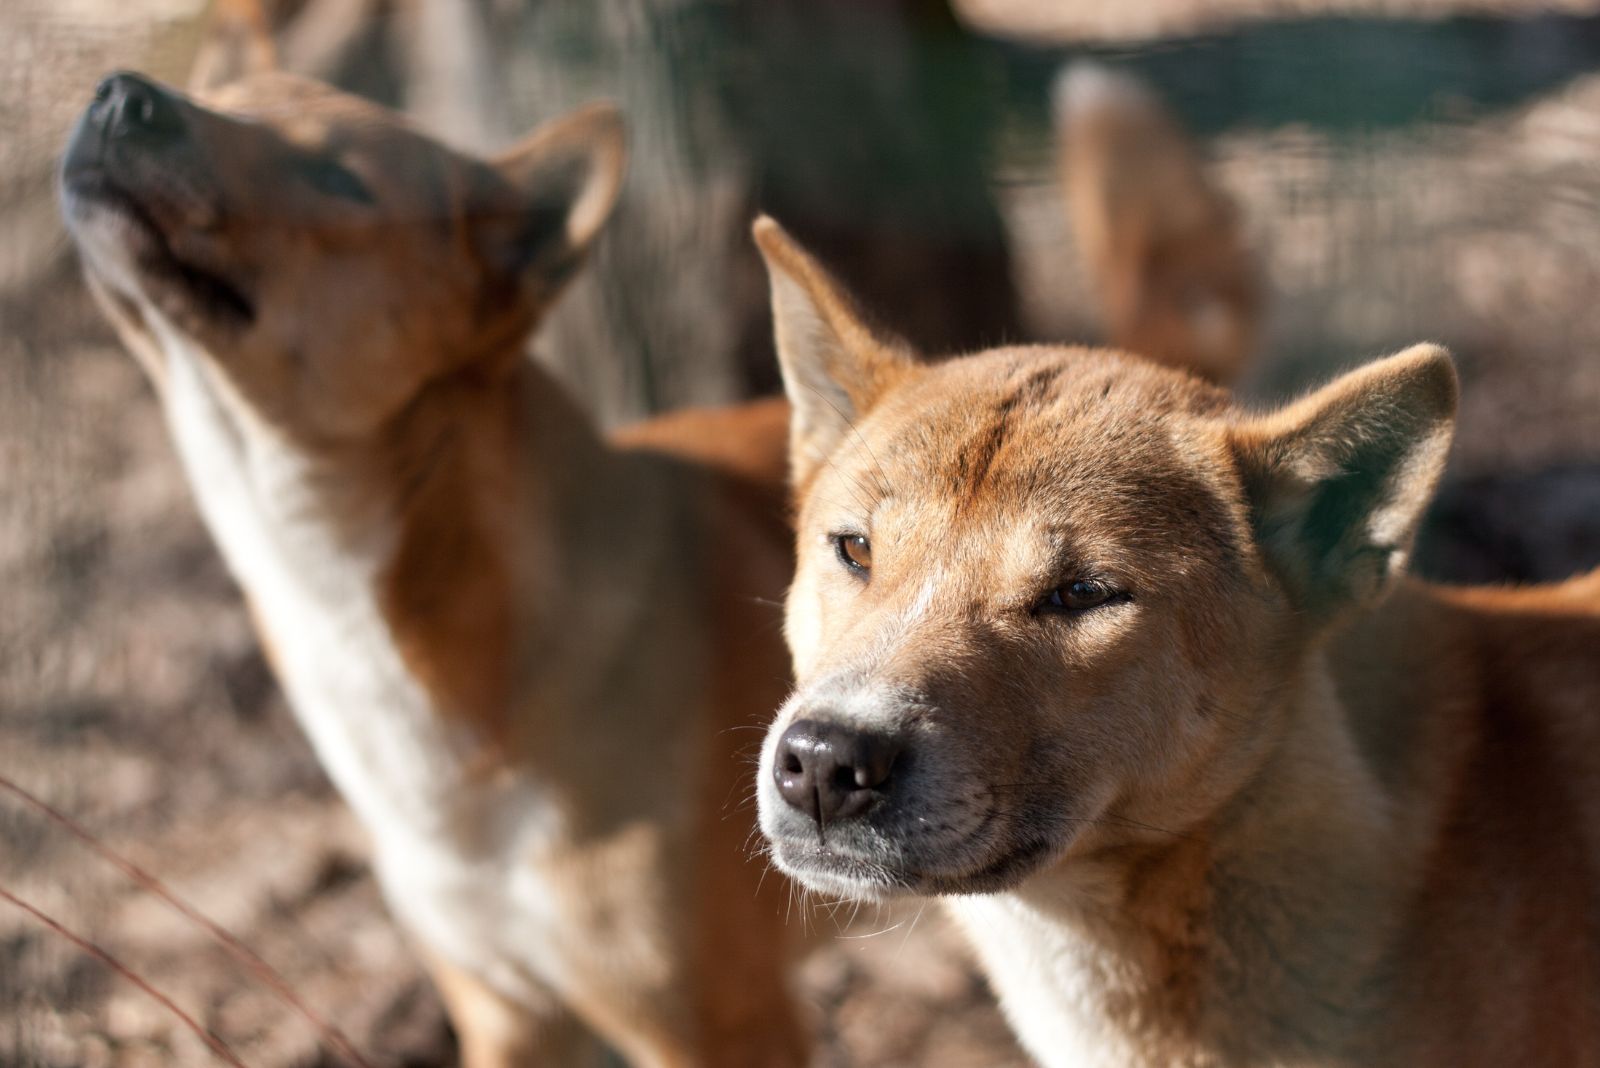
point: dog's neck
(375, 573)
(1256, 937)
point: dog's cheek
(999, 738)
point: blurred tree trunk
(862, 126)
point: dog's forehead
(317, 116)
(1040, 415)
(277, 117)
(285, 100)
(1034, 457)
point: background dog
(519, 649)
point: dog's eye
(334, 179)
(1080, 596)
(855, 551)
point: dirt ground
(133, 696)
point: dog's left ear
(834, 366)
(237, 42)
(1338, 482)
(569, 172)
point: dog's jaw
(131, 212)
(995, 849)
(836, 874)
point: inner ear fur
(835, 367)
(237, 43)
(1338, 482)
(569, 173)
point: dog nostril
(133, 108)
(873, 763)
(830, 771)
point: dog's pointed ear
(1337, 483)
(237, 42)
(569, 172)
(834, 366)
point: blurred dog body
(520, 650)
(1164, 245)
(1133, 677)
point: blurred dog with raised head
(1133, 678)
(1164, 245)
(519, 648)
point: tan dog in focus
(519, 649)
(1131, 676)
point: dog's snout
(832, 772)
(133, 108)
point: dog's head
(1048, 598)
(328, 258)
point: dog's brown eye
(855, 550)
(1080, 596)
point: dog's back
(1480, 709)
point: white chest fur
(1050, 983)
(1302, 890)
(444, 837)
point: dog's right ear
(238, 42)
(834, 366)
(569, 173)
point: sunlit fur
(1272, 805)
(1163, 243)
(521, 650)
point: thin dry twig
(240, 952)
(217, 1046)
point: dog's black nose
(832, 772)
(136, 109)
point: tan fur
(1266, 801)
(523, 651)
(494, 1030)
(238, 39)
(1163, 243)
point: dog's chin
(124, 245)
(847, 874)
(836, 874)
